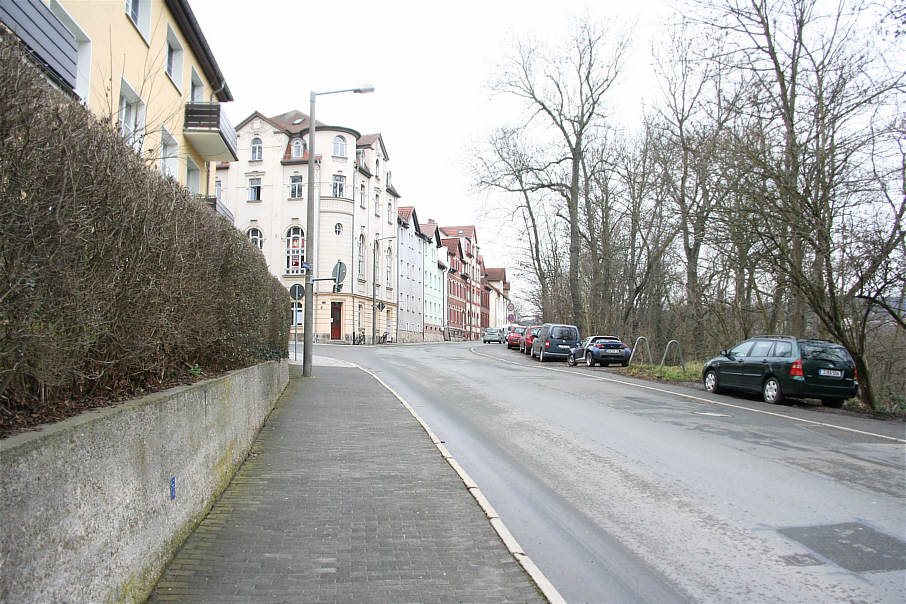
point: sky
(430, 64)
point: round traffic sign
(297, 291)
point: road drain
(851, 545)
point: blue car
(600, 350)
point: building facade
(411, 290)
(145, 65)
(456, 291)
(498, 296)
(355, 218)
(470, 275)
(435, 271)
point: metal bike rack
(679, 349)
(635, 346)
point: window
(377, 168)
(362, 195)
(761, 348)
(389, 267)
(295, 187)
(361, 314)
(360, 158)
(256, 150)
(390, 212)
(339, 146)
(741, 350)
(83, 50)
(338, 228)
(256, 237)
(377, 204)
(339, 185)
(196, 90)
(298, 148)
(295, 250)
(193, 176)
(361, 255)
(139, 11)
(254, 189)
(218, 189)
(173, 60)
(131, 116)
(782, 349)
(169, 154)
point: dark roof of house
(496, 274)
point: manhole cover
(801, 560)
(851, 545)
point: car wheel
(541, 356)
(571, 360)
(834, 403)
(772, 392)
(589, 360)
(711, 384)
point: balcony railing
(209, 130)
(217, 205)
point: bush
(113, 278)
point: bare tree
(566, 88)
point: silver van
(554, 341)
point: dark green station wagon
(782, 366)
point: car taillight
(855, 372)
(547, 343)
(796, 369)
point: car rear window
(811, 350)
(519, 330)
(565, 333)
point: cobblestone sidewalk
(344, 499)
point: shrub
(113, 278)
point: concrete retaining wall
(93, 507)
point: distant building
(469, 274)
(411, 291)
(355, 219)
(435, 271)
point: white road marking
(697, 398)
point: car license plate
(563, 346)
(836, 373)
(612, 351)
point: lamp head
(364, 89)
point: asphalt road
(624, 490)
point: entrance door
(336, 315)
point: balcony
(209, 131)
(216, 205)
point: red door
(336, 313)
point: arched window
(339, 146)
(295, 250)
(256, 237)
(338, 228)
(377, 168)
(298, 148)
(256, 149)
(361, 255)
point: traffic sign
(511, 318)
(381, 306)
(297, 291)
(511, 307)
(339, 272)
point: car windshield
(565, 333)
(831, 352)
(520, 330)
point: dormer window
(298, 149)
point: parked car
(525, 345)
(782, 366)
(602, 350)
(554, 341)
(492, 334)
(514, 336)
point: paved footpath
(344, 499)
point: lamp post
(374, 288)
(308, 336)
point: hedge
(113, 279)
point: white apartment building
(435, 266)
(355, 217)
(411, 291)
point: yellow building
(145, 65)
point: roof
(367, 140)
(496, 274)
(187, 23)
(453, 244)
(460, 231)
(405, 212)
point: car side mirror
(725, 353)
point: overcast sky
(430, 64)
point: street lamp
(374, 289)
(310, 227)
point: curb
(541, 581)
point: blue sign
(306, 266)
